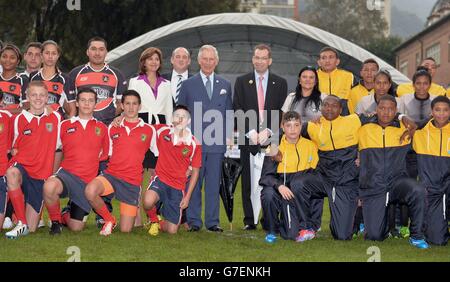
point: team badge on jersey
(12, 88)
(98, 131)
(143, 137)
(55, 87)
(49, 127)
(185, 152)
(115, 136)
(1, 127)
(71, 130)
(105, 78)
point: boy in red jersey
(33, 150)
(5, 146)
(178, 150)
(128, 144)
(85, 143)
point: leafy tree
(384, 48)
(350, 19)
(118, 21)
(354, 21)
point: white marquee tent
(294, 45)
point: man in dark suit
(260, 92)
(208, 97)
(180, 60)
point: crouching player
(33, 150)
(5, 146)
(178, 150)
(432, 145)
(279, 177)
(383, 176)
(85, 143)
(123, 177)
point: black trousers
(375, 208)
(436, 222)
(280, 215)
(342, 202)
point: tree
(384, 48)
(116, 20)
(352, 20)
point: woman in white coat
(155, 94)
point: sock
(105, 214)
(54, 212)
(18, 202)
(152, 215)
(65, 218)
(162, 225)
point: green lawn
(230, 246)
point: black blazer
(246, 98)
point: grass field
(230, 246)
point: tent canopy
(294, 45)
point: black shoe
(193, 229)
(249, 227)
(215, 228)
(56, 228)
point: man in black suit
(180, 60)
(257, 94)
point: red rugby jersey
(175, 156)
(13, 90)
(35, 139)
(109, 83)
(83, 148)
(5, 139)
(127, 150)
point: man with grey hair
(180, 60)
(208, 98)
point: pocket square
(223, 92)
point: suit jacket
(193, 91)
(168, 76)
(246, 98)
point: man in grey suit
(208, 97)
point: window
(404, 68)
(435, 52)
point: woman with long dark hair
(307, 99)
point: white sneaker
(41, 223)
(7, 223)
(108, 228)
(20, 230)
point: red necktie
(261, 99)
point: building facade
(282, 8)
(433, 41)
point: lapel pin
(250, 81)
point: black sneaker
(56, 228)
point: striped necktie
(179, 82)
